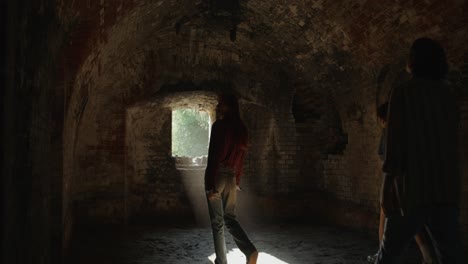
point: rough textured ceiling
(311, 44)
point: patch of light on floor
(235, 256)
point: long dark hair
(233, 105)
(382, 111)
(232, 116)
(427, 59)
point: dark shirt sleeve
(243, 151)
(214, 155)
(239, 173)
(240, 167)
(383, 141)
(395, 153)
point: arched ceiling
(129, 49)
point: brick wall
(270, 165)
(154, 186)
(355, 176)
(95, 169)
(115, 55)
(330, 54)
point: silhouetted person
(382, 112)
(422, 159)
(228, 145)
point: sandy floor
(181, 245)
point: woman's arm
(395, 156)
(214, 153)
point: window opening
(190, 137)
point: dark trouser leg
(399, 231)
(233, 226)
(442, 226)
(215, 208)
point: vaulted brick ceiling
(270, 47)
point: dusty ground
(278, 244)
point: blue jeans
(222, 206)
(442, 226)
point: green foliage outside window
(190, 129)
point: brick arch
(334, 47)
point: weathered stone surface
(90, 85)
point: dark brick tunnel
(88, 171)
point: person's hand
(210, 194)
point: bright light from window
(235, 256)
(190, 134)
